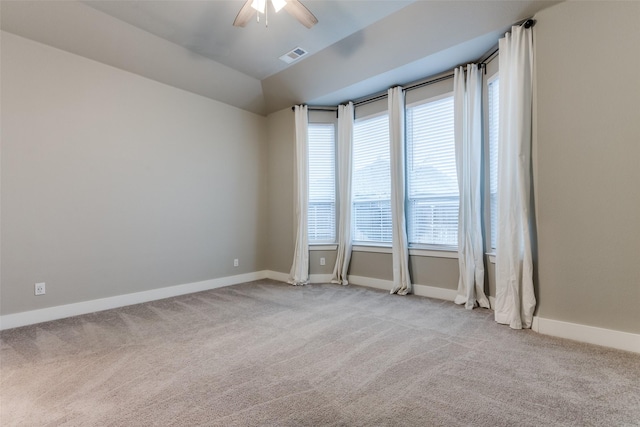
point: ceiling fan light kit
(293, 7)
(261, 5)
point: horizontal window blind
(432, 183)
(322, 183)
(494, 121)
(371, 194)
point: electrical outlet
(40, 289)
(235, 262)
(322, 261)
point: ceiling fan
(294, 7)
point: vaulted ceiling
(358, 47)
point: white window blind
(494, 120)
(432, 182)
(322, 183)
(371, 194)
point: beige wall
(280, 174)
(588, 153)
(280, 212)
(371, 264)
(113, 183)
(432, 271)
(438, 272)
(424, 270)
(315, 266)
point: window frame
(489, 249)
(425, 248)
(326, 118)
(379, 245)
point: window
(494, 121)
(371, 194)
(432, 182)
(322, 183)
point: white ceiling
(204, 27)
(358, 46)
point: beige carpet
(265, 353)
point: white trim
(419, 290)
(324, 247)
(375, 249)
(433, 253)
(320, 278)
(583, 333)
(494, 76)
(588, 334)
(276, 275)
(24, 318)
(435, 292)
(371, 282)
(284, 277)
(492, 258)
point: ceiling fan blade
(245, 14)
(301, 13)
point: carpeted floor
(265, 353)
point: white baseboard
(588, 334)
(435, 292)
(320, 278)
(24, 318)
(420, 290)
(370, 282)
(276, 275)
(284, 277)
(583, 333)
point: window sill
(412, 251)
(434, 253)
(371, 248)
(492, 257)
(323, 247)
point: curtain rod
(431, 80)
(527, 23)
(482, 62)
(370, 98)
(318, 108)
(410, 86)
(487, 57)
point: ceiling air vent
(294, 55)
